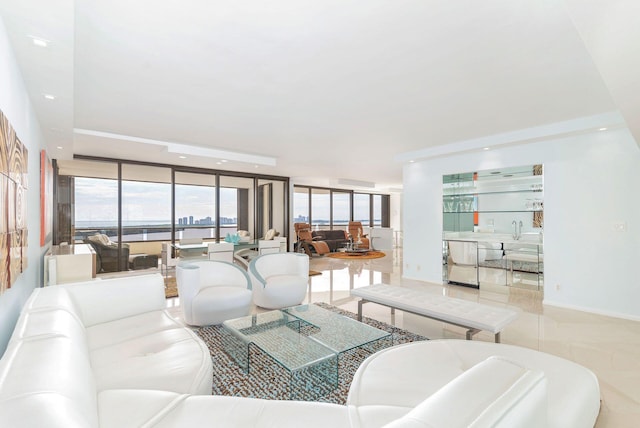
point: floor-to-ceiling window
(301, 209)
(362, 208)
(96, 206)
(237, 205)
(89, 204)
(140, 205)
(320, 209)
(146, 203)
(341, 209)
(376, 211)
(333, 208)
(195, 205)
(271, 206)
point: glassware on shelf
(467, 205)
(534, 205)
(448, 205)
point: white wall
(15, 105)
(591, 183)
(395, 222)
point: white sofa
(107, 354)
(462, 383)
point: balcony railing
(156, 232)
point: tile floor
(610, 347)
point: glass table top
(278, 334)
(285, 336)
(336, 331)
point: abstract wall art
(46, 198)
(13, 205)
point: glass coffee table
(306, 341)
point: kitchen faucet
(517, 230)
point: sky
(96, 200)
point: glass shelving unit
(493, 219)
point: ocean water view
(151, 230)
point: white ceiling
(332, 89)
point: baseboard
(593, 311)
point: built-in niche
(493, 226)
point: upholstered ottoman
(143, 261)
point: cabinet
(493, 227)
(70, 263)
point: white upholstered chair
(277, 245)
(279, 280)
(212, 291)
(221, 251)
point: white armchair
(212, 291)
(279, 280)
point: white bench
(463, 313)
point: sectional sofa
(106, 353)
(335, 239)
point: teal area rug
(267, 380)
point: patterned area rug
(269, 381)
(367, 256)
(170, 287)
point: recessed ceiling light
(182, 157)
(49, 96)
(218, 163)
(39, 42)
(486, 148)
(602, 129)
(256, 166)
(411, 161)
(224, 161)
(59, 147)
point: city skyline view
(149, 203)
(96, 202)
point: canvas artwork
(538, 216)
(13, 205)
(46, 198)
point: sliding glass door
(146, 203)
(138, 206)
(195, 206)
(237, 205)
